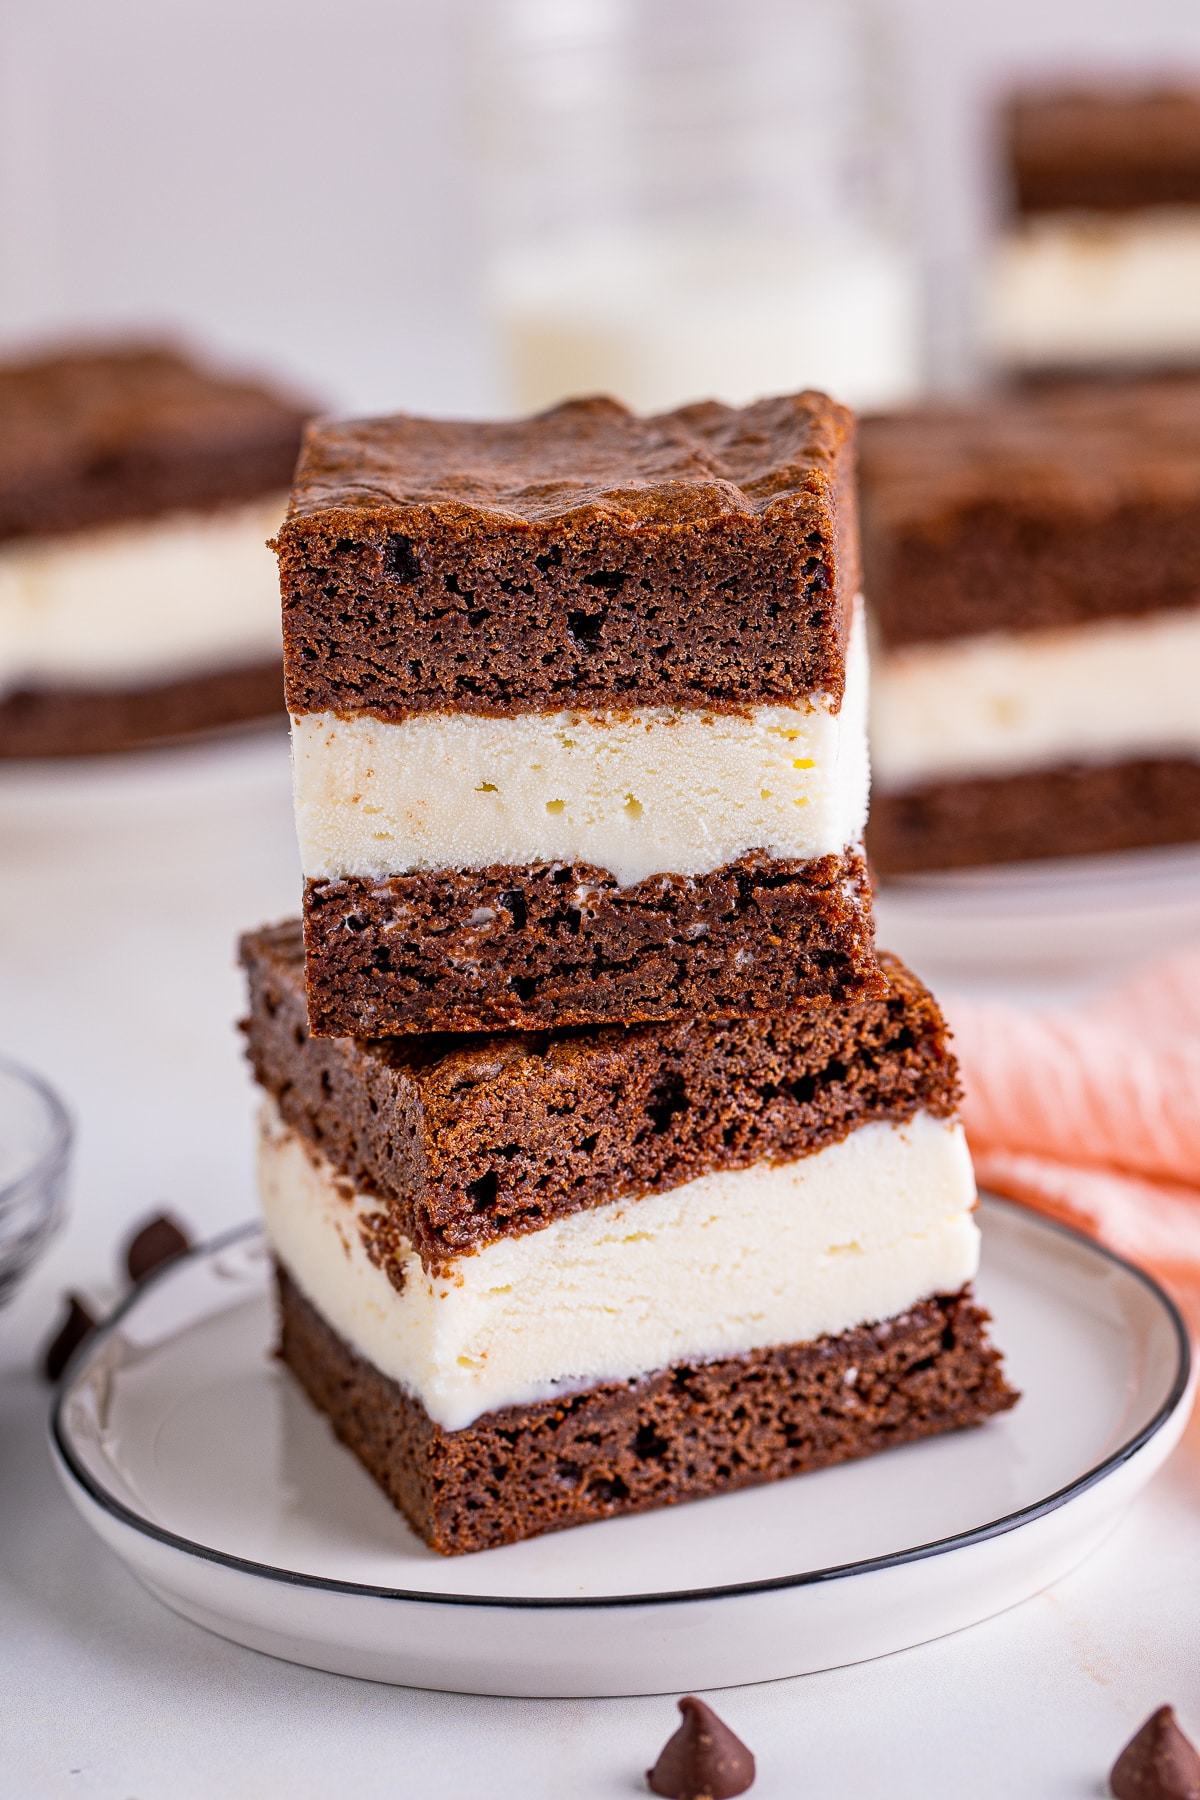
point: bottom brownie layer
(630, 1446)
(96, 721)
(1078, 811)
(562, 944)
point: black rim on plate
(810, 1577)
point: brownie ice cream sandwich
(578, 709)
(536, 1279)
(138, 600)
(1098, 265)
(1033, 571)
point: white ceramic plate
(195, 1457)
(1075, 915)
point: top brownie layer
(1044, 507)
(97, 436)
(582, 559)
(1103, 151)
(472, 1138)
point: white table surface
(122, 889)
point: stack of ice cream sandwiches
(604, 1163)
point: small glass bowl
(35, 1149)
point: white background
(293, 182)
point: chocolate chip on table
(160, 1240)
(1158, 1763)
(704, 1760)
(75, 1329)
(157, 1242)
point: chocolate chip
(1158, 1763)
(703, 1761)
(75, 1329)
(159, 1241)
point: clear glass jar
(694, 197)
(35, 1148)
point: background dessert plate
(193, 1455)
(1074, 915)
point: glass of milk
(694, 198)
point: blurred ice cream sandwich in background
(1032, 567)
(139, 602)
(1098, 266)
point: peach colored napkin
(1092, 1114)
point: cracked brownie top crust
(469, 1139)
(585, 559)
(100, 435)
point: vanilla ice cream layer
(732, 1262)
(1071, 289)
(132, 604)
(1004, 703)
(641, 792)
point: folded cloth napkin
(1093, 1114)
